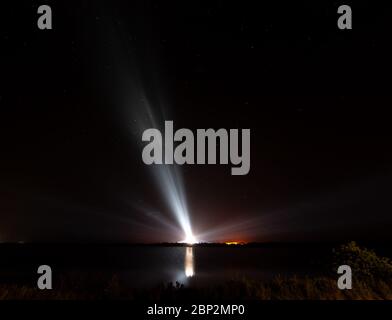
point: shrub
(365, 263)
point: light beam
(167, 177)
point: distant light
(234, 243)
(190, 239)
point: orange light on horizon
(234, 243)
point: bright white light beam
(168, 179)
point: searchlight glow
(190, 239)
(168, 177)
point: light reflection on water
(151, 266)
(189, 263)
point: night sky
(316, 98)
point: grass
(280, 288)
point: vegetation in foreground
(372, 280)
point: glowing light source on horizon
(234, 243)
(190, 239)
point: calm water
(202, 265)
(145, 266)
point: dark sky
(316, 99)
